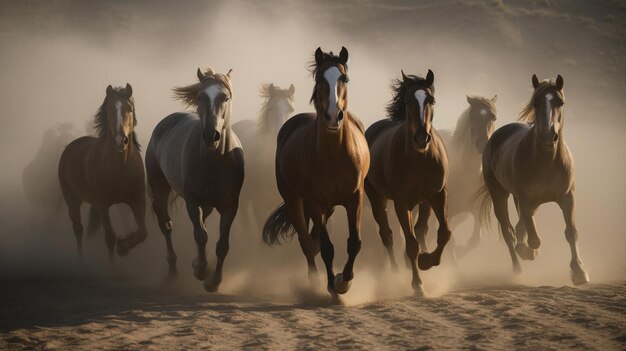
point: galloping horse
(465, 149)
(260, 136)
(532, 162)
(200, 158)
(410, 167)
(321, 162)
(107, 170)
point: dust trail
(58, 59)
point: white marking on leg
(420, 96)
(332, 76)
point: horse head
(330, 95)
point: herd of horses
(322, 160)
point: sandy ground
(78, 314)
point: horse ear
(292, 89)
(470, 100)
(229, 72)
(201, 75)
(109, 90)
(559, 82)
(535, 81)
(271, 88)
(405, 79)
(129, 91)
(494, 98)
(319, 56)
(343, 55)
(430, 78)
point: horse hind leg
(354, 210)
(109, 235)
(405, 218)
(138, 207)
(73, 207)
(568, 206)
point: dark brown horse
(200, 158)
(532, 162)
(321, 162)
(409, 167)
(107, 170)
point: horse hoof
(341, 286)
(211, 286)
(122, 247)
(199, 269)
(534, 242)
(525, 252)
(425, 261)
(580, 278)
(418, 290)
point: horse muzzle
(333, 123)
(121, 143)
(422, 141)
(211, 138)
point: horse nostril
(555, 137)
(427, 139)
(217, 136)
(125, 141)
(326, 116)
(340, 115)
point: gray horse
(201, 159)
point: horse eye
(226, 99)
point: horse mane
(396, 109)
(265, 93)
(100, 122)
(314, 68)
(189, 94)
(463, 129)
(528, 114)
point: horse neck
(539, 153)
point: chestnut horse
(409, 167)
(257, 199)
(200, 158)
(321, 162)
(532, 162)
(107, 170)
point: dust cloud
(57, 60)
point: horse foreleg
(439, 204)
(199, 264)
(379, 211)
(354, 211)
(568, 206)
(527, 251)
(405, 217)
(421, 227)
(326, 246)
(77, 226)
(124, 245)
(227, 216)
(109, 235)
(474, 239)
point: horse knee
(223, 246)
(201, 237)
(443, 236)
(571, 235)
(387, 237)
(411, 249)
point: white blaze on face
(332, 76)
(549, 98)
(118, 108)
(420, 96)
(212, 93)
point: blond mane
(189, 94)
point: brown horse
(107, 170)
(409, 167)
(532, 162)
(321, 162)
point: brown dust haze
(57, 59)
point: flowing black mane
(101, 122)
(396, 109)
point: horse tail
(278, 226)
(482, 199)
(93, 222)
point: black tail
(94, 222)
(278, 226)
(482, 199)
